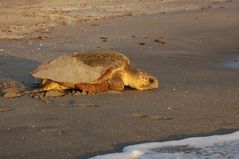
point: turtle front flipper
(116, 84)
(93, 88)
(113, 84)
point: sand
(187, 49)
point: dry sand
(26, 19)
(187, 49)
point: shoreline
(119, 148)
(221, 146)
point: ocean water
(211, 147)
(233, 63)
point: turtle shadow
(17, 69)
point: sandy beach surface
(191, 47)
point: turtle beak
(153, 83)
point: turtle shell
(81, 67)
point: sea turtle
(92, 72)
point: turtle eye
(151, 80)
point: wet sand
(186, 50)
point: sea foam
(210, 147)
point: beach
(192, 48)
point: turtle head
(142, 81)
